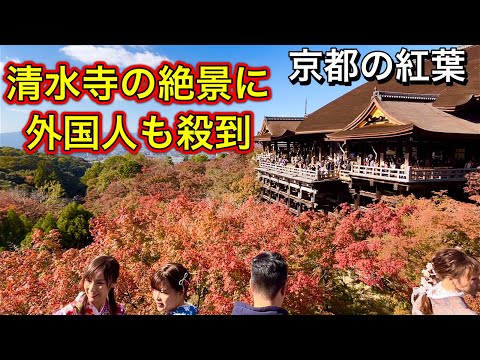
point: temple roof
(337, 114)
(276, 127)
(380, 131)
(400, 117)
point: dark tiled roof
(274, 127)
(368, 132)
(265, 137)
(408, 115)
(339, 113)
(427, 117)
(279, 128)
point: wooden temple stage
(375, 142)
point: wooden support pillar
(345, 151)
(269, 187)
(288, 195)
(428, 154)
(378, 194)
(408, 155)
(357, 198)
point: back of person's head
(453, 263)
(456, 266)
(109, 267)
(268, 273)
(175, 274)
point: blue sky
(287, 99)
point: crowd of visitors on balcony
(308, 161)
(390, 162)
(328, 164)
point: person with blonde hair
(451, 274)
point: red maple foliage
(348, 262)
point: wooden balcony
(422, 175)
(305, 175)
(380, 173)
(409, 175)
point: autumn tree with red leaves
(205, 216)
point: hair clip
(184, 280)
(429, 273)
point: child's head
(170, 286)
(99, 280)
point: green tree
(46, 224)
(73, 223)
(130, 168)
(169, 161)
(53, 192)
(92, 173)
(45, 172)
(13, 229)
(199, 158)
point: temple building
(375, 141)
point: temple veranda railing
(407, 175)
(297, 173)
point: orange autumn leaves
(203, 216)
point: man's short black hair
(269, 273)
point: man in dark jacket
(268, 283)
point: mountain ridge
(17, 140)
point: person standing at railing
(339, 163)
(348, 165)
(308, 159)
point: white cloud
(139, 46)
(2, 64)
(112, 55)
(18, 110)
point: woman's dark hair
(175, 274)
(449, 263)
(110, 268)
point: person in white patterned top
(445, 281)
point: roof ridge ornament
(284, 118)
(402, 96)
